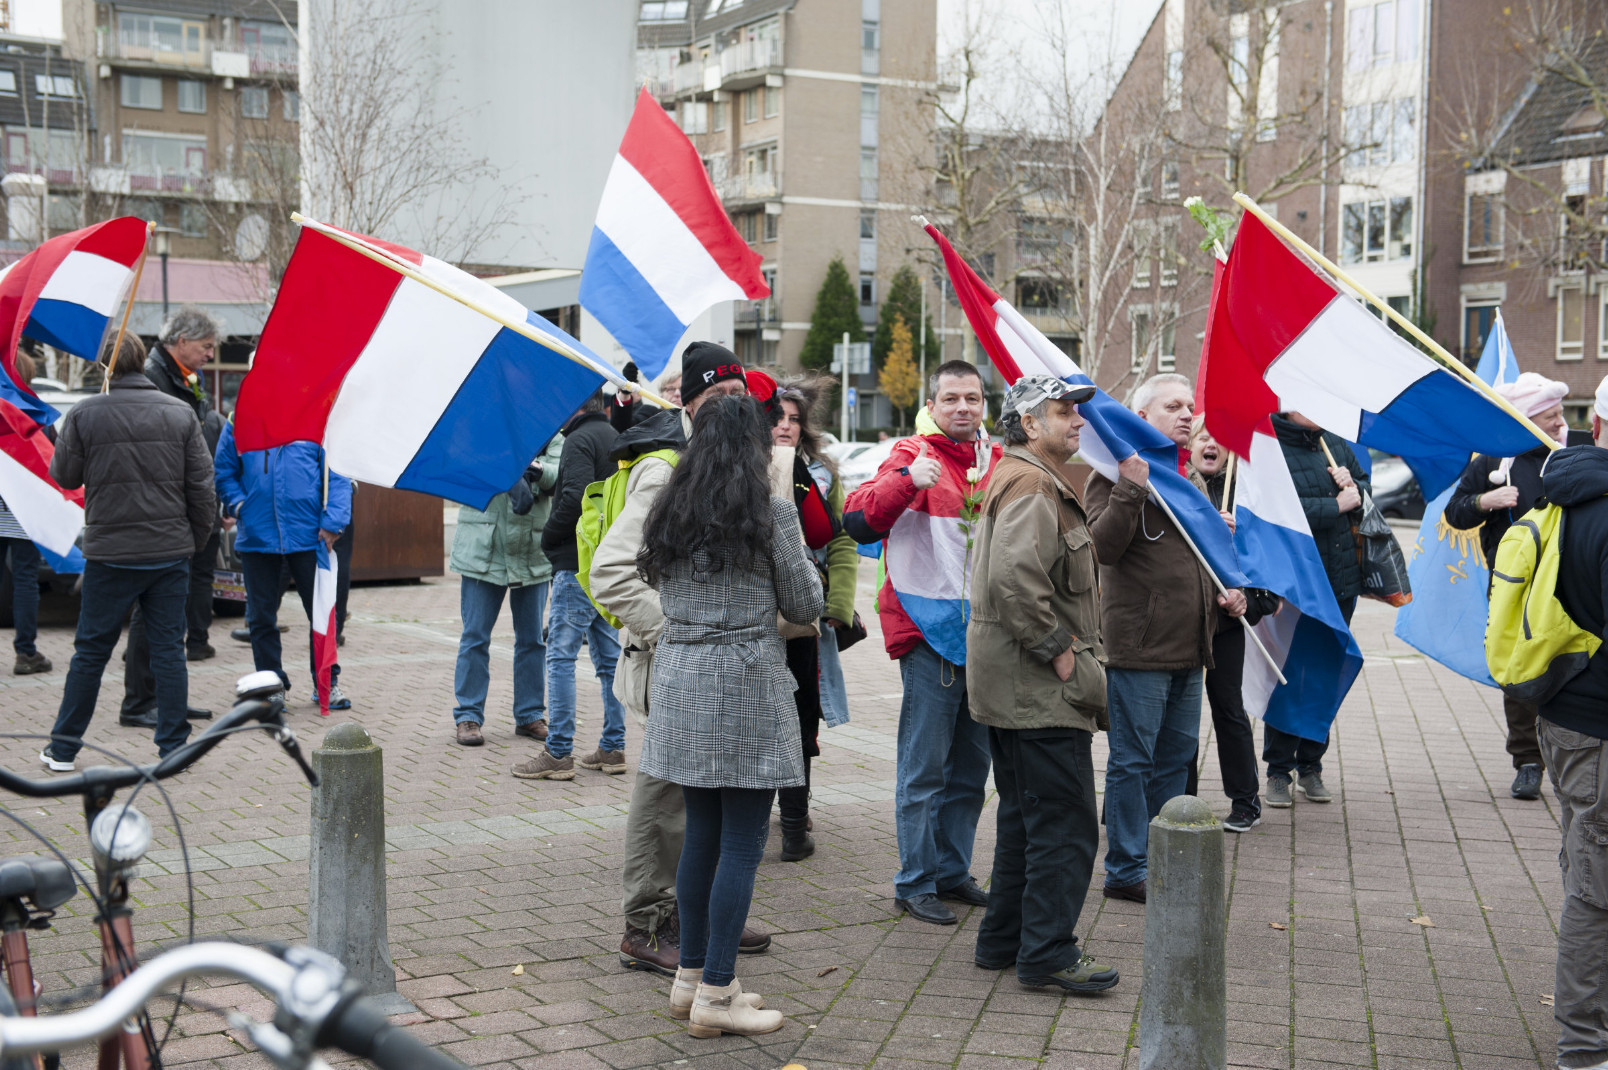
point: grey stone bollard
(1183, 1015)
(346, 891)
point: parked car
(1395, 489)
(864, 463)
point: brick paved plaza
(504, 893)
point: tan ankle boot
(684, 989)
(723, 1010)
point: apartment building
(810, 118)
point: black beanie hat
(703, 364)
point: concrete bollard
(346, 894)
(1183, 1015)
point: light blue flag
(1446, 567)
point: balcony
(744, 64)
(270, 59)
(185, 52)
(696, 76)
(748, 186)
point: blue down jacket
(277, 495)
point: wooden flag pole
(1228, 484)
(133, 292)
(1434, 347)
(402, 267)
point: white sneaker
(55, 765)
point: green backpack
(600, 505)
(1532, 646)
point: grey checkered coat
(721, 712)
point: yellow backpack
(1532, 646)
(601, 502)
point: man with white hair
(1493, 493)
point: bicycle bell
(256, 685)
(120, 835)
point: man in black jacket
(1493, 493)
(189, 342)
(572, 619)
(148, 503)
(1573, 736)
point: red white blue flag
(663, 250)
(51, 516)
(325, 584)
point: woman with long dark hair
(726, 558)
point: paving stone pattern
(489, 874)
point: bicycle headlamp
(119, 836)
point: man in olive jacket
(148, 503)
(1159, 613)
(1035, 628)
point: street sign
(854, 397)
(859, 358)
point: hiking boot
(546, 767)
(1278, 793)
(469, 735)
(536, 730)
(611, 762)
(1241, 820)
(1311, 785)
(1085, 975)
(723, 1010)
(1527, 785)
(796, 845)
(684, 989)
(201, 652)
(28, 664)
(658, 952)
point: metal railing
(749, 186)
(271, 59)
(751, 55)
(161, 49)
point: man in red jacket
(919, 505)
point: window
(773, 101)
(663, 11)
(717, 115)
(1477, 323)
(751, 106)
(1141, 260)
(1167, 358)
(141, 92)
(1379, 132)
(1169, 180)
(1167, 252)
(1602, 324)
(1381, 33)
(772, 225)
(157, 155)
(1401, 229)
(1175, 80)
(1482, 234)
(868, 225)
(1571, 323)
(1351, 228)
(1355, 123)
(1374, 243)
(1039, 240)
(192, 96)
(694, 117)
(271, 46)
(1384, 32)
(870, 48)
(1404, 130)
(747, 225)
(868, 115)
(1039, 294)
(8, 82)
(868, 290)
(192, 221)
(1139, 319)
(1376, 230)
(868, 174)
(292, 103)
(254, 102)
(56, 85)
(164, 39)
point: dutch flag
(663, 250)
(325, 584)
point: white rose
(972, 475)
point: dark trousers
(343, 578)
(1522, 743)
(263, 589)
(24, 561)
(1236, 743)
(1048, 832)
(1284, 752)
(139, 686)
(108, 593)
(726, 831)
(794, 803)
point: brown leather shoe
(1133, 893)
(753, 942)
(469, 734)
(607, 761)
(546, 767)
(536, 730)
(658, 952)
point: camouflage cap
(1031, 391)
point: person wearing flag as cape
(1494, 492)
(922, 504)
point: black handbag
(850, 633)
(1384, 568)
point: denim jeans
(1155, 728)
(942, 774)
(726, 830)
(480, 603)
(1049, 831)
(574, 619)
(139, 686)
(108, 593)
(1284, 752)
(24, 561)
(263, 590)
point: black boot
(797, 843)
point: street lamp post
(164, 245)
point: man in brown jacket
(1035, 626)
(1160, 613)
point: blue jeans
(109, 592)
(1155, 727)
(24, 592)
(942, 774)
(480, 603)
(726, 830)
(264, 587)
(574, 619)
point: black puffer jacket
(146, 473)
(1577, 479)
(1338, 544)
(1463, 507)
(588, 438)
